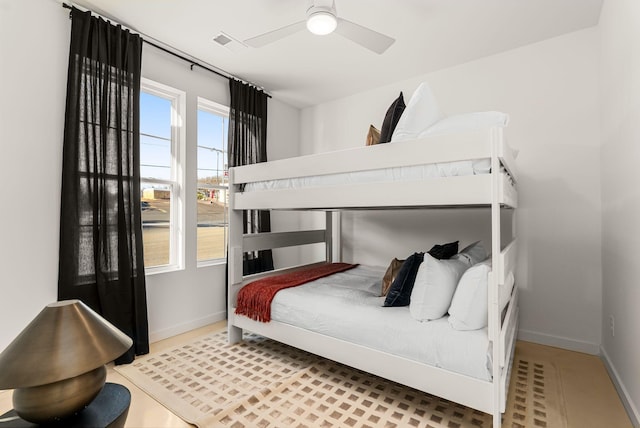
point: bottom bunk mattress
(348, 306)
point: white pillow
(434, 286)
(466, 122)
(469, 307)
(472, 254)
(421, 112)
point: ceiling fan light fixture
(321, 22)
(322, 18)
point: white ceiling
(304, 69)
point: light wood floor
(590, 397)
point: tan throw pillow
(390, 275)
(373, 136)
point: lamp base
(108, 410)
(57, 400)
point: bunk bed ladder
(240, 243)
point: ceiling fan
(322, 19)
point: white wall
(33, 79)
(550, 91)
(620, 113)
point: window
(212, 185)
(162, 176)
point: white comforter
(346, 306)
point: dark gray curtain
(101, 260)
(248, 145)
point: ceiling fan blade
(365, 37)
(272, 36)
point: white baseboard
(629, 406)
(559, 342)
(155, 336)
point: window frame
(178, 175)
(218, 109)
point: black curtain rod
(193, 63)
(190, 61)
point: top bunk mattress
(383, 175)
(347, 306)
(457, 168)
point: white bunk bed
(494, 190)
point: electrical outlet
(612, 325)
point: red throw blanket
(254, 299)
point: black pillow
(400, 292)
(444, 251)
(391, 119)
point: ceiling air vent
(228, 42)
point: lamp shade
(65, 340)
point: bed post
(493, 295)
(328, 236)
(234, 266)
(332, 236)
(337, 236)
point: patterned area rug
(263, 383)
